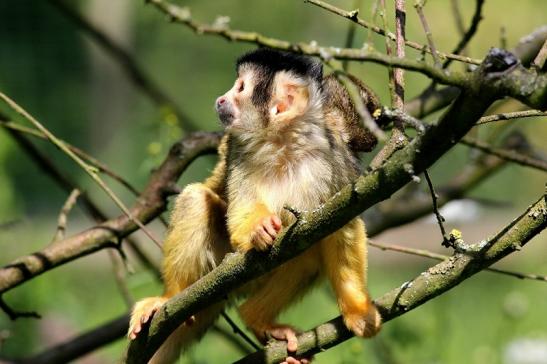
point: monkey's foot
(265, 232)
(144, 310)
(288, 334)
(364, 324)
(291, 360)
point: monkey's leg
(276, 292)
(196, 242)
(345, 260)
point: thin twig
(440, 218)
(508, 155)
(92, 172)
(511, 115)
(238, 331)
(229, 336)
(396, 85)
(503, 37)
(83, 343)
(62, 219)
(398, 73)
(432, 255)
(108, 234)
(90, 159)
(127, 63)
(541, 57)
(457, 16)
(477, 16)
(182, 16)
(90, 207)
(384, 32)
(419, 6)
(389, 52)
(14, 315)
(101, 166)
(405, 118)
(350, 35)
(119, 276)
(360, 106)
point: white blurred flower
(526, 351)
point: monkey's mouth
(225, 117)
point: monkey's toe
(292, 360)
(142, 314)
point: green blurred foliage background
(73, 87)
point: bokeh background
(73, 87)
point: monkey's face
(262, 100)
(236, 102)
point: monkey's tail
(186, 334)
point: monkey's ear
(290, 99)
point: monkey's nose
(221, 100)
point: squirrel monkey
(292, 137)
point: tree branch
(405, 209)
(426, 286)
(67, 184)
(80, 345)
(427, 254)
(508, 155)
(149, 205)
(62, 219)
(101, 167)
(477, 17)
(431, 100)
(353, 16)
(182, 16)
(419, 6)
(92, 172)
(510, 115)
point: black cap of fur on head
(269, 62)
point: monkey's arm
(196, 242)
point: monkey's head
(272, 90)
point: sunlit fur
(300, 161)
(287, 150)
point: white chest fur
(281, 177)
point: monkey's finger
(265, 238)
(276, 221)
(146, 316)
(291, 360)
(292, 341)
(257, 241)
(270, 229)
(135, 331)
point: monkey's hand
(265, 232)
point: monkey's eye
(241, 86)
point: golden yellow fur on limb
(289, 138)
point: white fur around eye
(273, 110)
